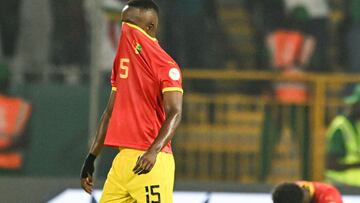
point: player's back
(326, 193)
(137, 76)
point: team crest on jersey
(138, 48)
(174, 74)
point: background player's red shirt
(321, 192)
(142, 72)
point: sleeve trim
(173, 89)
(114, 89)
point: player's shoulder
(171, 63)
(322, 185)
(327, 193)
(166, 59)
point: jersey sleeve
(113, 75)
(170, 79)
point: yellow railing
(224, 135)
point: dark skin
(148, 21)
(98, 143)
(307, 197)
(332, 160)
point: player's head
(290, 192)
(143, 13)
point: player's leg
(157, 185)
(113, 190)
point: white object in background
(79, 196)
(240, 197)
(71, 195)
(189, 197)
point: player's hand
(145, 163)
(87, 184)
(87, 171)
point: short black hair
(288, 193)
(144, 4)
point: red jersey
(321, 192)
(142, 72)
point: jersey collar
(141, 30)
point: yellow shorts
(123, 186)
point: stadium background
(235, 136)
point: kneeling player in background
(306, 192)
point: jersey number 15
(151, 193)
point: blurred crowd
(212, 33)
(198, 33)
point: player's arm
(173, 110)
(98, 143)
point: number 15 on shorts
(151, 195)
